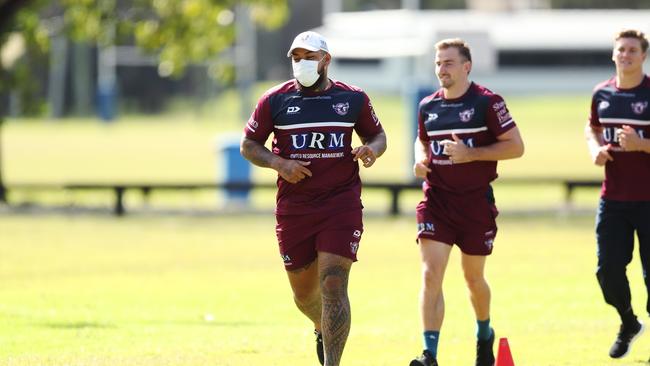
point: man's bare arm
(293, 171)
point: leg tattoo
(336, 312)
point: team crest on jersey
(466, 115)
(639, 107)
(498, 105)
(341, 108)
(603, 105)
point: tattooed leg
(334, 272)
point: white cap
(310, 41)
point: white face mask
(306, 72)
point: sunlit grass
(92, 290)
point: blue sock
(483, 331)
(431, 341)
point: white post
(332, 6)
(411, 4)
(107, 79)
(82, 79)
(56, 85)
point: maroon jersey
(477, 117)
(315, 127)
(627, 178)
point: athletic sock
(483, 331)
(431, 341)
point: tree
(8, 11)
(179, 32)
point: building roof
(390, 33)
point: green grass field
(84, 290)
(154, 289)
(180, 145)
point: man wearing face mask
(318, 204)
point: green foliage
(30, 33)
(94, 20)
(180, 32)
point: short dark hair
(461, 45)
(633, 33)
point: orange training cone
(504, 357)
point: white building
(513, 52)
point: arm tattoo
(336, 312)
(257, 153)
(377, 142)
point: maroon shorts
(301, 237)
(467, 221)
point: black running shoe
(319, 347)
(624, 339)
(484, 353)
(425, 359)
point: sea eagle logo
(341, 108)
(639, 107)
(466, 115)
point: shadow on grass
(77, 325)
(205, 323)
(98, 325)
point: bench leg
(119, 202)
(3, 193)
(568, 194)
(394, 202)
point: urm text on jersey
(317, 140)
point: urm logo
(610, 134)
(317, 140)
(437, 148)
(293, 110)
